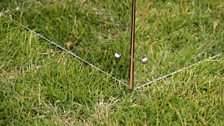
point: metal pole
(131, 72)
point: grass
(42, 85)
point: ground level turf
(42, 85)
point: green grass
(42, 85)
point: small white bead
(17, 8)
(117, 55)
(144, 59)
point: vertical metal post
(131, 72)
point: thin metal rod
(131, 72)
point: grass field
(43, 85)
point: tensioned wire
(180, 70)
(67, 51)
(71, 53)
(74, 55)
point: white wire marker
(180, 70)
